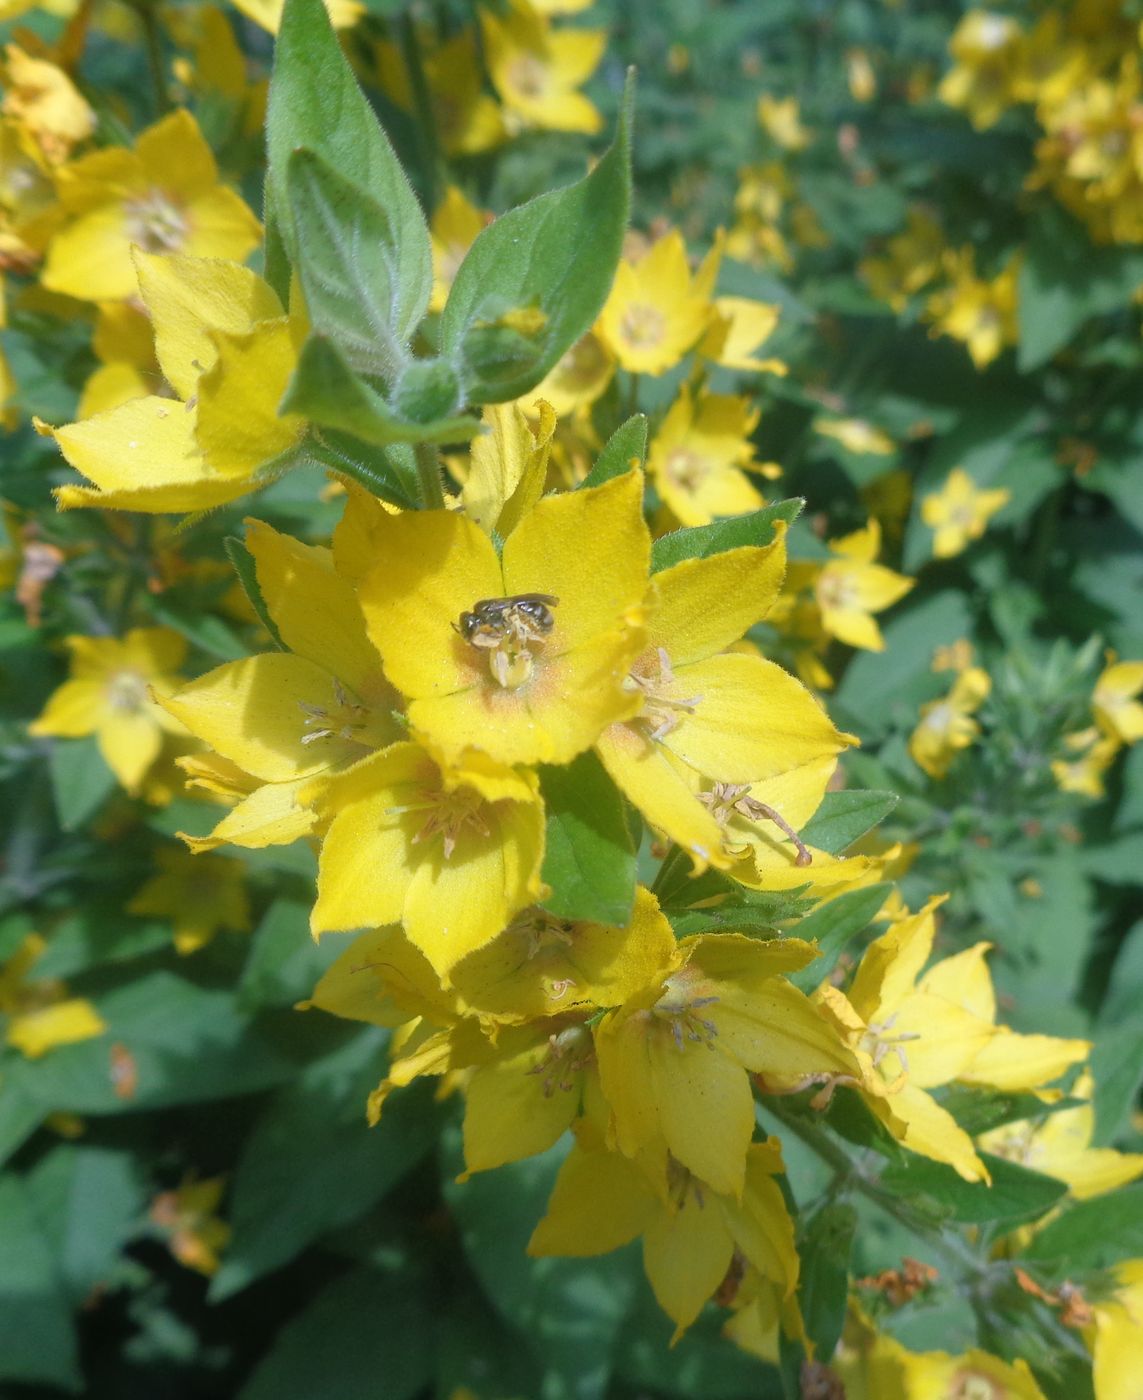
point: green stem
(429, 476)
(155, 60)
(852, 1176)
(423, 102)
(632, 396)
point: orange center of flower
(643, 326)
(726, 799)
(127, 693)
(569, 1052)
(156, 222)
(836, 591)
(686, 469)
(528, 74)
(444, 814)
(653, 677)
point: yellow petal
(34, 1033)
(129, 743)
(271, 815)
(512, 1112)
(146, 443)
(599, 1202)
(238, 425)
(508, 467)
(948, 1038)
(686, 1254)
(934, 1132)
(701, 606)
(73, 710)
(1012, 1062)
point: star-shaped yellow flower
(959, 512)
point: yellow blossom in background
(909, 261)
(164, 197)
(38, 1015)
(780, 119)
(739, 327)
(343, 14)
(187, 1218)
(110, 694)
(537, 70)
(1117, 1334)
(957, 656)
(947, 725)
(690, 1234)
(124, 343)
(755, 236)
(453, 229)
(986, 49)
(201, 895)
(656, 310)
(856, 435)
(579, 377)
(1092, 755)
(860, 75)
(41, 98)
(850, 588)
(1117, 711)
(469, 120)
(698, 456)
(972, 309)
(959, 512)
(29, 210)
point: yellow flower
(39, 1015)
(44, 100)
(163, 196)
(195, 1234)
(946, 725)
(1059, 1144)
(469, 120)
(109, 694)
(228, 350)
(738, 328)
(978, 312)
(675, 1058)
(200, 897)
(1117, 1335)
(286, 718)
(731, 716)
(453, 857)
(656, 310)
(453, 230)
(1093, 756)
(860, 75)
(911, 259)
(874, 1366)
(759, 202)
(579, 377)
(124, 344)
(959, 512)
(852, 587)
(343, 14)
(912, 1033)
(782, 122)
(29, 211)
(697, 456)
(1117, 712)
(530, 684)
(856, 435)
(986, 48)
(536, 70)
(508, 467)
(690, 1233)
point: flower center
(445, 814)
(343, 720)
(127, 693)
(836, 591)
(725, 800)
(686, 469)
(529, 74)
(156, 222)
(975, 1385)
(569, 1053)
(653, 677)
(643, 326)
(878, 1044)
(678, 1006)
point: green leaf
(824, 1290)
(627, 446)
(37, 1338)
(1093, 1234)
(285, 962)
(980, 1110)
(701, 541)
(243, 563)
(1117, 1068)
(589, 858)
(204, 630)
(346, 265)
(850, 1117)
(20, 1116)
(81, 780)
(844, 817)
(1016, 1193)
(1064, 281)
(89, 1199)
(751, 912)
(554, 257)
(326, 390)
(834, 925)
(363, 1336)
(312, 1163)
(315, 103)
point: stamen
(725, 798)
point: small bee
(525, 617)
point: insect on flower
(526, 617)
